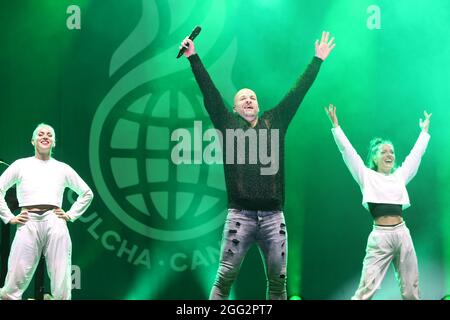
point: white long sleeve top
(42, 182)
(377, 187)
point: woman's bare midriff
(388, 220)
(38, 207)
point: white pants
(47, 234)
(386, 245)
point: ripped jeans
(386, 245)
(243, 228)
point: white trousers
(45, 234)
(386, 245)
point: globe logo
(130, 150)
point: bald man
(255, 191)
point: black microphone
(194, 33)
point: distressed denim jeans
(242, 229)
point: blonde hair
(374, 146)
(36, 131)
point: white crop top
(42, 182)
(377, 187)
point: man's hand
(425, 124)
(331, 112)
(62, 214)
(189, 45)
(21, 218)
(324, 48)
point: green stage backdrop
(104, 74)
